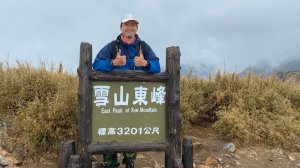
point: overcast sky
(234, 33)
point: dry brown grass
(249, 110)
(43, 102)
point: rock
(96, 165)
(236, 156)
(156, 164)
(8, 145)
(226, 155)
(203, 166)
(94, 158)
(140, 156)
(211, 161)
(280, 151)
(42, 160)
(291, 157)
(220, 159)
(277, 151)
(6, 161)
(18, 154)
(237, 163)
(230, 147)
(12, 152)
(297, 147)
(227, 165)
(3, 132)
(252, 153)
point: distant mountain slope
(265, 68)
(197, 70)
(289, 65)
(290, 76)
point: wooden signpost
(132, 110)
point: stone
(237, 163)
(6, 161)
(252, 153)
(280, 151)
(230, 147)
(220, 159)
(211, 161)
(236, 156)
(203, 166)
(96, 165)
(8, 145)
(18, 154)
(156, 164)
(3, 132)
(94, 158)
(291, 157)
(140, 156)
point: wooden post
(74, 161)
(84, 101)
(67, 148)
(173, 154)
(187, 152)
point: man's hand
(120, 60)
(140, 60)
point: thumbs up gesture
(140, 60)
(120, 60)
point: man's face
(129, 28)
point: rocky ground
(210, 151)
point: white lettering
(105, 111)
(148, 110)
(117, 110)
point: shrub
(249, 110)
(44, 103)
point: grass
(249, 110)
(43, 102)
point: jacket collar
(137, 40)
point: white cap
(128, 17)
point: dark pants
(111, 159)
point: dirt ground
(210, 151)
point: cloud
(237, 33)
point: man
(127, 52)
(131, 52)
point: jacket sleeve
(102, 60)
(153, 62)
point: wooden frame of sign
(172, 144)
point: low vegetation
(43, 103)
(249, 110)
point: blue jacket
(103, 60)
